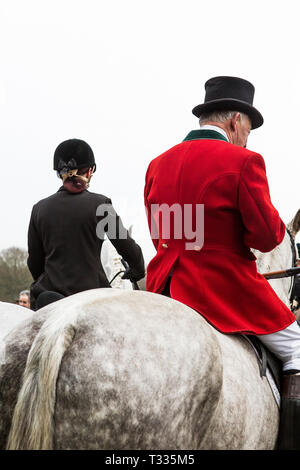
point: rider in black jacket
(67, 229)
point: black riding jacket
(64, 242)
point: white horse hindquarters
(247, 415)
(11, 315)
(141, 372)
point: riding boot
(289, 427)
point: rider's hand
(133, 275)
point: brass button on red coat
(164, 245)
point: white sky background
(124, 76)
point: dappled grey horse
(10, 316)
(118, 369)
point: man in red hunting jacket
(208, 203)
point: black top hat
(230, 94)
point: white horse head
(113, 267)
(112, 264)
(281, 258)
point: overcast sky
(124, 76)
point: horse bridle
(294, 252)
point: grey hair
(25, 292)
(218, 116)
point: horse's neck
(276, 260)
(279, 258)
(112, 265)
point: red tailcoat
(220, 281)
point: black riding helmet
(73, 154)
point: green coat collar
(204, 134)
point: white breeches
(285, 345)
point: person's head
(228, 104)
(236, 125)
(46, 298)
(75, 164)
(24, 298)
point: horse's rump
(132, 370)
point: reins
(291, 272)
(126, 266)
(120, 272)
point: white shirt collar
(214, 128)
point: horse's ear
(295, 224)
